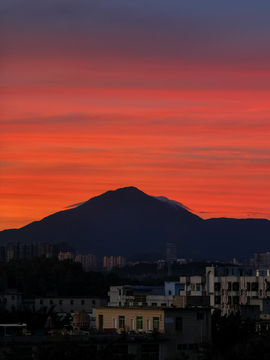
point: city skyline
(170, 97)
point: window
(82, 302)
(60, 302)
(235, 286)
(248, 286)
(71, 302)
(154, 304)
(236, 300)
(12, 297)
(229, 286)
(254, 286)
(217, 300)
(155, 323)
(41, 302)
(191, 346)
(163, 304)
(229, 300)
(51, 302)
(170, 293)
(139, 322)
(121, 322)
(217, 286)
(182, 347)
(200, 316)
(93, 302)
(119, 303)
(100, 322)
(178, 323)
(119, 292)
(114, 323)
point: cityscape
(135, 180)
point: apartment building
(89, 261)
(182, 328)
(66, 305)
(262, 260)
(229, 287)
(128, 295)
(112, 261)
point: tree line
(40, 276)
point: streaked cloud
(171, 97)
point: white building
(71, 305)
(128, 295)
(229, 287)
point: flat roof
(12, 325)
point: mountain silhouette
(127, 221)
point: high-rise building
(110, 262)
(89, 261)
(262, 260)
(171, 252)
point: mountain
(127, 221)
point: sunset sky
(170, 96)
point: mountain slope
(127, 221)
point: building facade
(183, 328)
(229, 287)
(112, 261)
(66, 305)
(129, 296)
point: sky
(172, 97)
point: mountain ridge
(127, 221)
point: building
(132, 296)
(89, 262)
(229, 287)
(66, 255)
(112, 261)
(69, 304)
(262, 260)
(173, 288)
(13, 299)
(171, 252)
(183, 329)
(28, 251)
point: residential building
(262, 260)
(112, 261)
(13, 299)
(66, 255)
(132, 296)
(70, 304)
(89, 262)
(173, 288)
(171, 252)
(182, 328)
(229, 287)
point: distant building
(112, 261)
(171, 252)
(262, 260)
(132, 296)
(28, 251)
(89, 262)
(67, 255)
